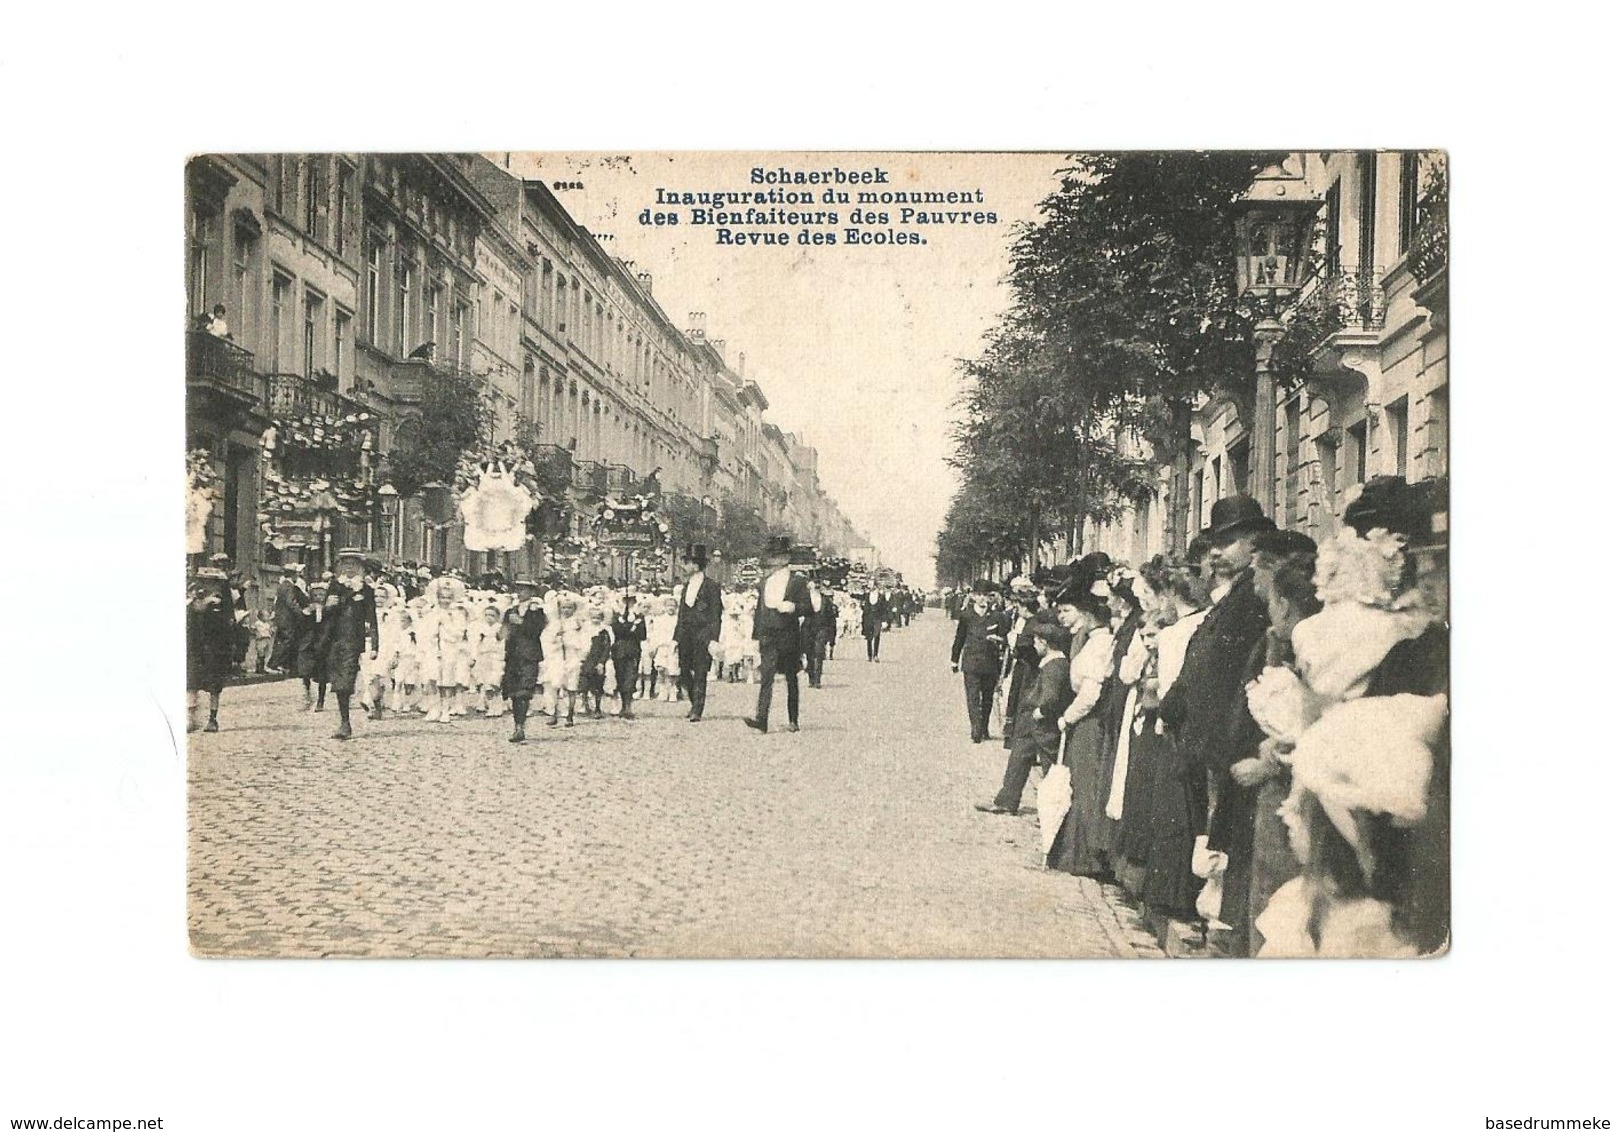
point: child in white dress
(667, 658)
(489, 662)
(455, 657)
(565, 647)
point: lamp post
(388, 494)
(1274, 221)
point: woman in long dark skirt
(1081, 848)
(1126, 610)
(1179, 790)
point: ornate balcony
(221, 363)
(220, 381)
(621, 478)
(293, 395)
(1350, 300)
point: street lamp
(1274, 231)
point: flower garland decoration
(202, 484)
(317, 461)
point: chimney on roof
(696, 325)
(645, 279)
(742, 364)
(719, 345)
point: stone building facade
(350, 281)
(1372, 394)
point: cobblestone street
(855, 837)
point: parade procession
(515, 628)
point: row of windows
(317, 194)
(1408, 211)
(302, 336)
(419, 311)
(1342, 462)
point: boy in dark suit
(525, 622)
(1035, 727)
(629, 630)
(350, 628)
(784, 602)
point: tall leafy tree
(1124, 315)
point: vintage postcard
(815, 554)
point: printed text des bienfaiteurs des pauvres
(782, 207)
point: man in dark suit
(981, 641)
(350, 627)
(697, 627)
(783, 604)
(629, 630)
(288, 618)
(523, 625)
(874, 616)
(816, 631)
(1199, 708)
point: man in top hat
(350, 627)
(697, 628)
(1199, 708)
(525, 625)
(977, 651)
(779, 613)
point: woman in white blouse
(1082, 842)
(1177, 794)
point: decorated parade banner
(629, 525)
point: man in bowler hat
(1199, 708)
(697, 627)
(779, 613)
(981, 639)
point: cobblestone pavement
(855, 837)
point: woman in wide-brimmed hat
(1081, 847)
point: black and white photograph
(817, 554)
(805, 568)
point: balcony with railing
(220, 379)
(591, 476)
(292, 395)
(621, 478)
(1346, 303)
(403, 381)
(1430, 255)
